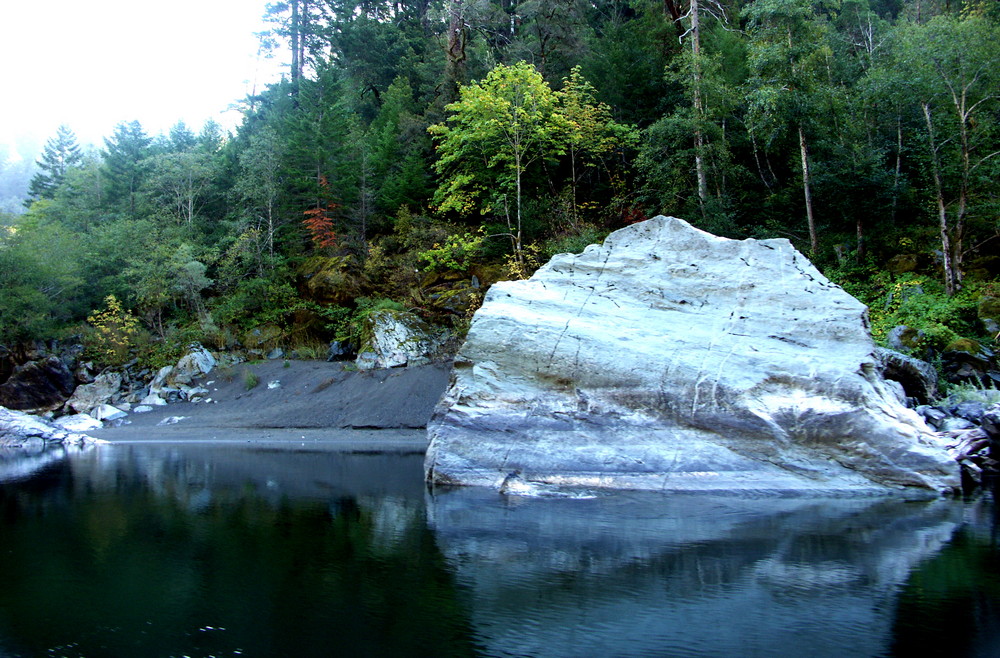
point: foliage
(250, 379)
(456, 253)
(115, 333)
(404, 128)
(61, 154)
(498, 128)
(921, 303)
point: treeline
(418, 150)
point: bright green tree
(591, 132)
(126, 160)
(497, 129)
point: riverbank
(315, 403)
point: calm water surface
(224, 551)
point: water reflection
(221, 551)
(168, 552)
(642, 574)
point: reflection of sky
(93, 64)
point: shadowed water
(222, 551)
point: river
(173, 550)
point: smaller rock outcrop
(397, 338)
(19, 429)
(88, 397)
(41, 385)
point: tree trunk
(952, 279)
(517, 245)
(699, 110)
(807, 192)
(295, 46)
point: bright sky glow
(94, 64)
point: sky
(92, 64)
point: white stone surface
(398, 338)
(20, 429)
(78, 423)
(672, 359)
(88, 397)
(153, 400)
(196, 363)
(108, 412)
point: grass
(250, 379)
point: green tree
(259, 186)
(953, 74)
(789, 59)
(41, 276)
(497, 129)
(590, 131)
(61, 154)
(126, 160)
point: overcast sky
(91, 64)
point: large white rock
(18, 429)
(672, 359)
(78, 423)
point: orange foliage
(319, 223)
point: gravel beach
(313, 403)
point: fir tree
(61, 152)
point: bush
(114, 333)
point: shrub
(114, 334)
(250, 379)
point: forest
(418, 151)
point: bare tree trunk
(699, 110)
(807, 192)
(295, 46)
(899, 167)
(952, 282)
(455, 54)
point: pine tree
(61, 152)
(126, 160)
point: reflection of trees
(950, 606)
(146, 572)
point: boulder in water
(671, 359)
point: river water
(221, 551)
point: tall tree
(498, 128)
(789, 63)
(953, 74)
(60, 154)
(259, 186)
(590, 131)
(126, 159)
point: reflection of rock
(669, 358)
(646, 574)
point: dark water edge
(223, 551)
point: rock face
(88, 397)
(19, 429)
(38, 386)
(397, 338)
(675, 360)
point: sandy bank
(314, 403)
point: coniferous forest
(417, 151)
